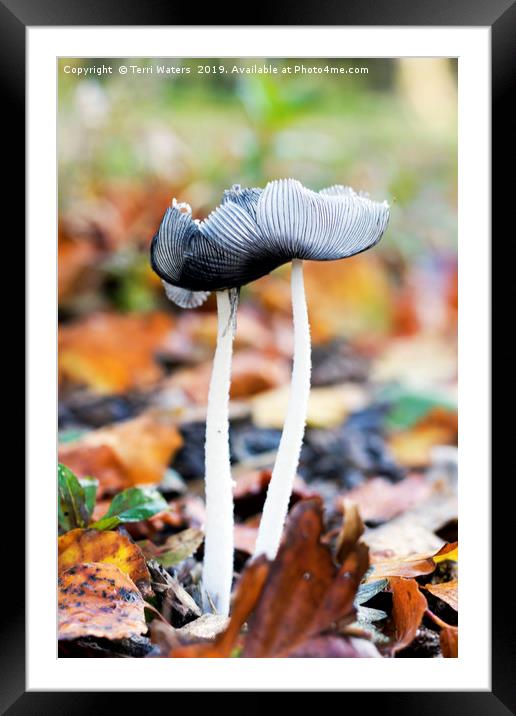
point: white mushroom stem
(218, 528)
(287, 459)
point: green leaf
(89, 485)
(72, 503)
(408, 407)
(132, 505)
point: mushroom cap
(254, 231)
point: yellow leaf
(78, 546)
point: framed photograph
(258, 357)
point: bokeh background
(383, 323)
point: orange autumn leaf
(359, 286)
(99, 460)
(449, 639)
(109, 547)
(131, 452)
(99, 600)
(113, 353)
(447, 591)
(408, 609)
(252, 372)
(74, 258)
(413, 447)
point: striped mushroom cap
(254, 231)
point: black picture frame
(500, 16)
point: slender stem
(218, 541)
(287, 459)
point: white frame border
(471, 671)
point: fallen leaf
(175, 549)
(419, 361)
(304, 592)
(449, 552)
(132, 452)
(412, 566)
(99, 600)
(293, 599)
(247, 594)
(351, 531)
(74, 257)
(205, 628)
(413, 447)
(414, 530)
(101, 460)
(115, 548)
(175, 599)
(447, 591)
(359, 287)
(449, 639)
(195, 335)
(252, 373)
(327, 407)
(379, 500)
(402, 567)
(408, 609)
(94, 351)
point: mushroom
(251, 233)
(177, 256)
(298, 224)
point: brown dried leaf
(449, 639)
(449, 636)
(79, 546)
(407, 567)
(99, 600)
(352, 530)
(408, 609)
(304, 592)
(295, 598)
(132, 452)
(412, 566)
(447, 591)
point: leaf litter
(368, 564)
